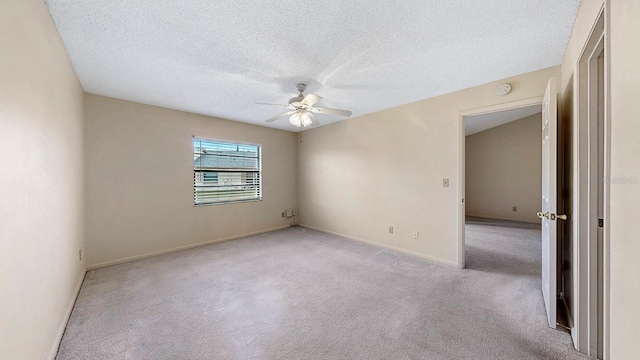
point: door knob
(551, 216)
(542, 215)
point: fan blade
(330, 111)
(280, 116)
(311, 99)
(261, 103)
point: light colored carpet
(302, 294)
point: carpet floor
(303, 294)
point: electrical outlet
(445, 182)
(416, 234)
(289, 213)
(80, 253)
(515, 208)
(390, 229)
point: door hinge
(600, 222)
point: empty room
(293, 180)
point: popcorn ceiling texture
(219, 57)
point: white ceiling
(478, 123)
(219, 57)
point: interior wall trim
(179, 248)
(497, 218)
(368, 242)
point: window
(225, 172)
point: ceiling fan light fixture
(305, 117)
(295, 119)
(301, 118)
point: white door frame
(585, 249)
(461, 160)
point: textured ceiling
(478, 123)
(219, 57)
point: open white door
(549, 200)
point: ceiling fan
(302, 109)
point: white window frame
(230, 142)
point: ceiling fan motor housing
(301, 88)
(296, 99)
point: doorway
(502, 164)
(502, 190)
(548, 254)
(479, 114)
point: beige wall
(360, 176)
(624, 27)
(41, 182)
(139, 180)
(503, 169)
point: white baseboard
(369, 242)
(179, 248)
(65, 319)
(528, 221)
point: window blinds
(225, 172)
